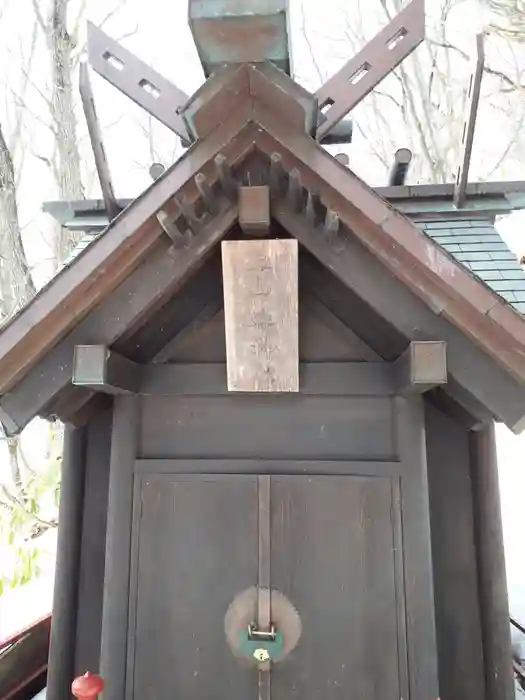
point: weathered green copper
(241, 31)
(261, 650)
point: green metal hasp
(240, 31)
(261, 646)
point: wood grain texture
(494, 605)
(92, 556)
(196, 550)
(456, 592)
(64, 619)
(334, 545)
(261, 308)
(118, 547)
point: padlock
(261, 646)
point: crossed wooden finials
(164, 101)
(359, 76)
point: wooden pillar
(420, 610)
(113, 653)
(65, 599)
(494, 606)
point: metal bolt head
(261, 655)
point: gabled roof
(262, 134)
(469, 233)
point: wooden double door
(337, 554)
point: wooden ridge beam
(97, 144)
(360, 75)
(138, 81)
(421, 367)
(98, 368)
(469, 128)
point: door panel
(197, 548)
(333, 541)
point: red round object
(87, 687)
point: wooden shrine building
(280, 387)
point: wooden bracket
(469, 128)
(95, 136)
(254, 210)
(138, 81)
(359, 76)
(421, 367)
(98, 368)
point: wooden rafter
(364, 276)
(149, 285)
(136, 80)
(417, 261)
(111, 258)
(359, 76)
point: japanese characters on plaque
(260, 280)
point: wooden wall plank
(196, 550)
(269, 426)
(422, 651)
(321, 378)
(118, 547)
(261, 291)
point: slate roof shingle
(477, 245)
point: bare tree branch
(38, 15)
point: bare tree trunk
(67, 161)
(69, 171)
(16, 285)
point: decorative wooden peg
(206, 193)
(254, 209)
(277, 185)
(399, 172)
(228, 184)
(260, 280)
(87, 687)
(295, 190)
(421, 367)
(331, 222)
(310, 207)
(187, 209)
(170, 227)
(98, 368)
(156, 170)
